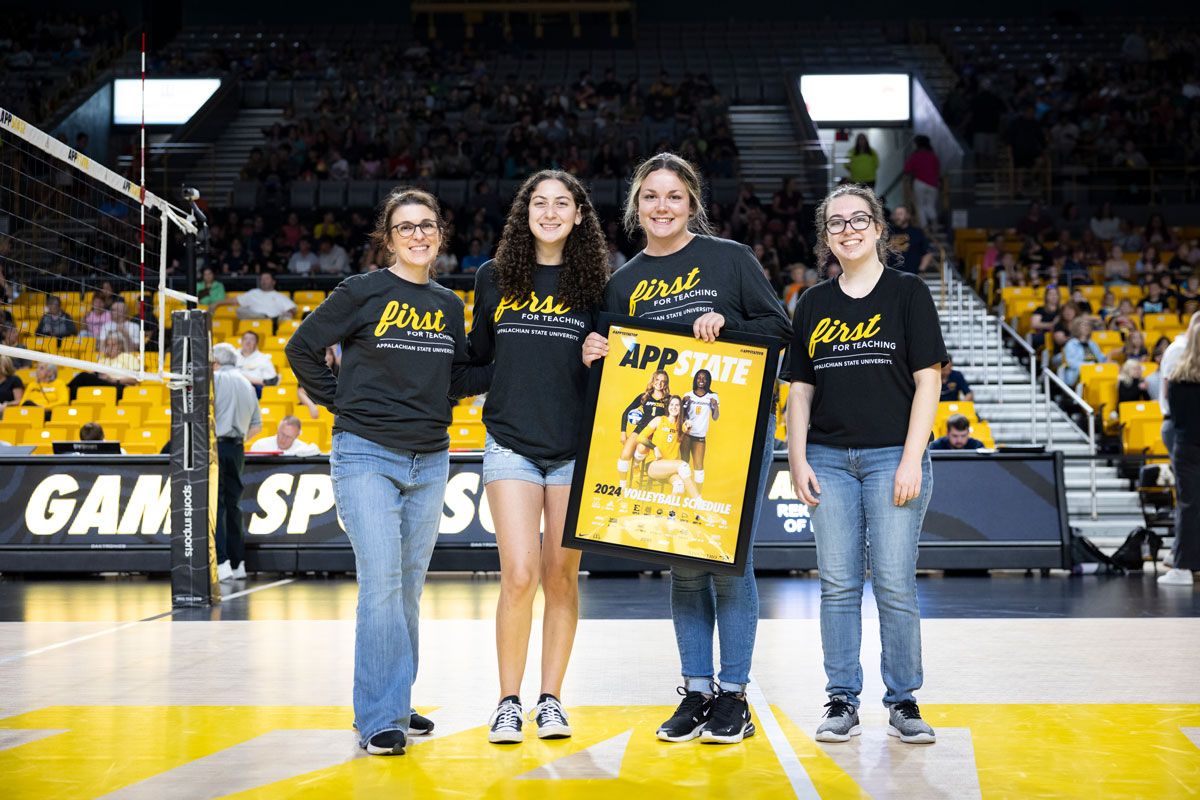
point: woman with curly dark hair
(534, 304)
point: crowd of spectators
(1131, 109)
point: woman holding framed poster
(865, 365)
(686, 275)
(534, 304)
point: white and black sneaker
(419, 725)
(506, 722)
(551, 719)
(691, 715)
(729, 722)
(841, 721)
(387, 743)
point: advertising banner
(673, 444)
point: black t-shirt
(860, 355)
(8, 386)
(954, 386)
(535, 402)
(707, 274)
(404, 355)
(911, 245)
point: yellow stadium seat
(260, 326)
(62, 431)
(1107, 340)
(1149, 368)
(96, 396)
(279, 408)
(273, 344)
(152, 438)
(1141, 436)
(308, 297)
(983, 432)
(287, 327)
(1157, 322)
(44, 344)
(130, 415)
(287, 379)
(318, 431)
(223, 328)
(1012, 294)
(1123, 291)
(77, 414)
(157, 414)
(114, 430)
(146, 394)
(1099, 383)
(471, 413)
(225, 314)
(25, 416)
(951, 407)
(279, 394)
(467, 436)
(13, 434)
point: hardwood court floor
(1038, 687)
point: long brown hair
(585, 254)
(649, 393)
(883, 245)
(406, 196)
(687, 174)
(1188, 368)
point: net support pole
(193, 465)
(189, 264)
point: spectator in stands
(95, 320)
(304, 261)
(12, 388)
(46, 390)
(265, 302)
(992, 255)
(954, 385)
(1149, 262)
(1117, 271)
(911, 246)
(1079, 350)
(1081, 302)
(958, 436)
(114, 354)
(1108, 307)
(787, 204)
(1183, 389)
(121, 325)
(1131, 386)
(332, 258)
(55, 322)
(210, 290)
(1126, 319)
(329, 227)
(1035, 224)
(864, 162)
(925, 172)
(1105, 224)
(91, 432)
(1134, 348)
(1062, 328)
(799, 283)
(286, 441)
(1157, 233)
(1154, 302)
(11, 335)
(1045, 317)
(107, 294)
(475, 259)
(237, 418)
(256, 365)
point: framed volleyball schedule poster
(671, 445)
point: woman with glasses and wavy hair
(534, 304)
(865, 365)
(404, 356)
(720, 286)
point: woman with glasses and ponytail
(404, 356)
(722, 288)
(865, 365)
(534, 304)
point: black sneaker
(506, 722)
(691, 715)
(419, 725)
(551, 719)
(388, 743)
(730, 719)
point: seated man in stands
(304, 261)
(958, 436)
(954, 385)
(286, 441)
(114, 355)
(120, 323)
(913, 252)
(256, 365)
(264, 302)
(46, 390)
(55, 322)
(332, 258)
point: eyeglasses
(859, 222)
(405, 230)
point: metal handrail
(1049, 377)
(1005, 328)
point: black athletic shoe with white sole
(419, 725)
(691, 715)
(550, 718)
(729, 722)
(505, 722)
(387, 743)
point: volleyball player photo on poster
(671, 445)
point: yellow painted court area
(1019, 750)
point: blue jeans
(390, 502)
(702, 602)
(856, 508)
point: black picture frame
(771, 347)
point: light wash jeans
(856, 509)
(702, 601)
(391, 504)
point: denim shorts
(502, 464)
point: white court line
(107, 631)
(801, 784)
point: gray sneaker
(841, 721)
(904, 722)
